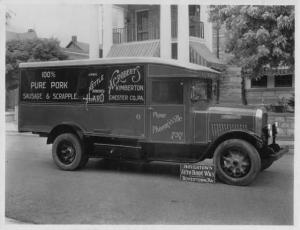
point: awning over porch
(135, 49)
(280, 71)
(199, 53)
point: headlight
(275, 128)
(258, 121)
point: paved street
(129, 193)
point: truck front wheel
(68, 152)
(237, 162)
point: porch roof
(209, 59)
(150, 48)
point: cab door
(167, 111)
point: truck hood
(232, 110)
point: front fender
(246, 135)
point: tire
(68, 152)
(266, 163)
(237, 162)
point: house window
(174, 51)
(196, 26)
(284, 80)
(167, 92)
(260, 82)
(194, 10)
(142, 24)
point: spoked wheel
(237, 162)
(68, 152)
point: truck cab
(143, 109)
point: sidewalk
(11, 126)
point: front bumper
(275, 151)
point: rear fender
(65, 128)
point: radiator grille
(218, 128)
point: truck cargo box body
(111, 99)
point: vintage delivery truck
(144, 109)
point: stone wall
(267, 95)
(286, 124)
(230, 86)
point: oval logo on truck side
(138, 116)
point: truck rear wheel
(68, 152)
(237, 162)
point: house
(184, 32)
(180, 32)
(274, 86)
(78, 50)
(138, 33)
(139, 30)
(30, 34)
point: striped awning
(280, 71)
(200, 54)
(135, 49)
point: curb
(14, 132)
(9, 221)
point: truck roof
(123, 60)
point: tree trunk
(244, 96)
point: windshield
(203, 91)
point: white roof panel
(123, 60)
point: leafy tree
(259, 37)
(29, 50)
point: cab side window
(167, 92)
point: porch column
(183, 33)
(165, 31)
(94, 32)
(107, 28)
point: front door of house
(142, 24)
(167, 112)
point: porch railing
(130, 32)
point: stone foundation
(286, 124)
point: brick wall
(286, 123)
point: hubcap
(235, 163)
(66, 152)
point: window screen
(284, 81)
(167, 92)
(259, 83)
